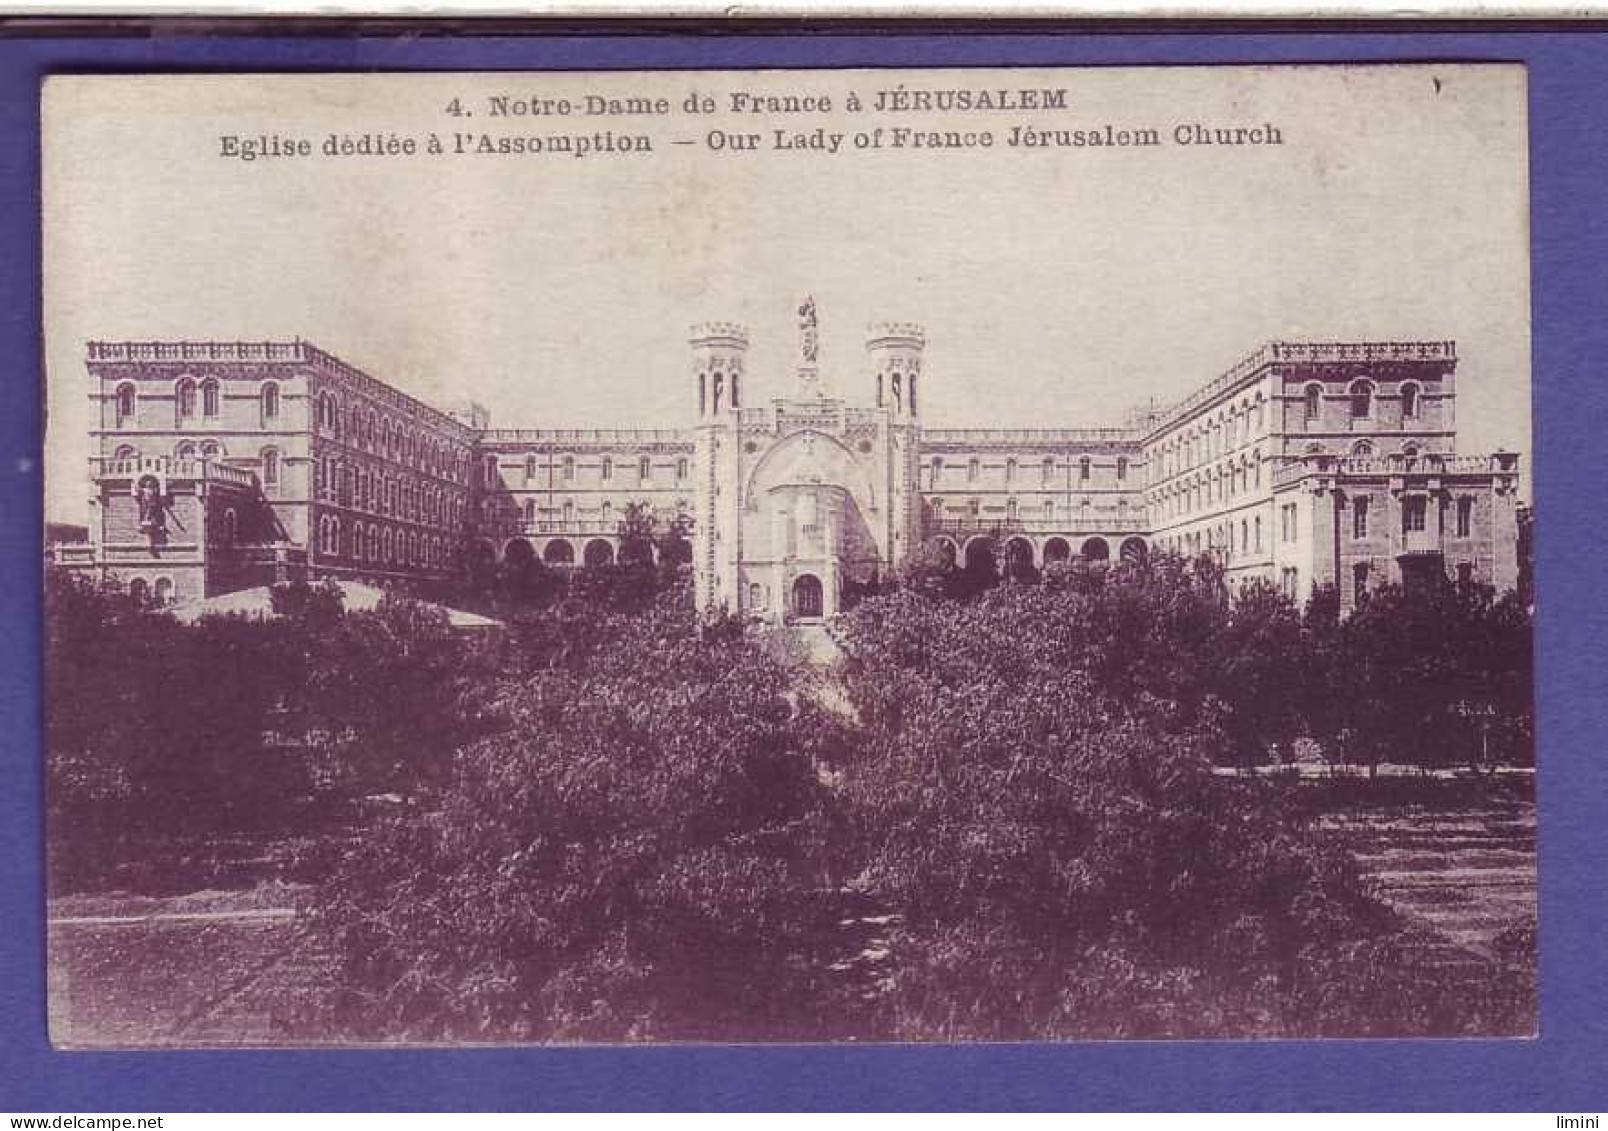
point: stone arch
(980, 555)
(519, 553)
(558, 552)
(948, 552)
(1096, 550)
(1019, 563)
(808, 596)
(1134, 550)
(1057, 550)
(598, 552)
(772, 470)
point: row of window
(376, 432)
(1208, 488)
(1414, 515)
(1050, 472)
(364, 488)
(1219, 540)
(1361, 397)
(973, 507)
(896, 388)
(381, 545)
(712, 389)
(564, 470)
(1233, 426)
(185, 400)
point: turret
(719, 350)
(895, 351)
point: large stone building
(218, 465)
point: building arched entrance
(1019, 560)
(1097, 550)
(559, 552)
(599, 552)
(519, 553)
(807, 596)
(1056, 550)
(1134, 550)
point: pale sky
(1059, 286)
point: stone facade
(1305, 464)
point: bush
(1033, 795)
(636, 854)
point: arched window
(703, 393)
(569, 513)
(608, 468)
(645, 467)
(185, 451)
(270, 468)
(1010, 471)
(1122, 468)
(681, 468)
(1258, 528)
(1085, 466)
(209, 397)
(1362, 449)
(1409, 401)
(1314, 403)
(720, 389)
(898, 395)
(164, 591)
(879, 391)
(126, 452)
(973, 468)
(569, 469)
(1361, 400)
(385, 544)
(139, 592)
(1359, 581)
(231, 526)
(270, 403)
(937, 470)
(1049, 469)
(912, 394)
(184, 399)
(125, 403)
(211, 449)
(736, 378)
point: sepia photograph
(865, 555)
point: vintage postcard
(875, 555)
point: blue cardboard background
(1562, 1071)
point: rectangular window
(1359, 517)
(1465, 517)
(1413, 512)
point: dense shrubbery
(619, 822)
(637, 852)
(163, 734)
(1034, 788)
